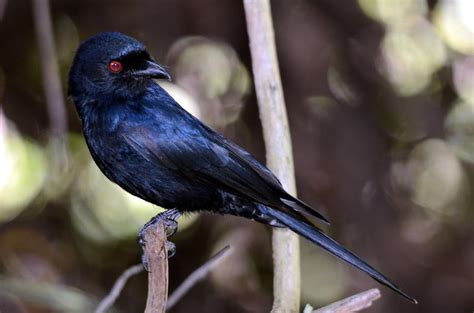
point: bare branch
(50, 70)
(157, 255)
(198, 275)
(354, 303)
(114, 293)
(3, 4)
(286, 256)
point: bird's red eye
(115, 67)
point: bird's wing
(272, 180)
(201, 154)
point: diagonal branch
(198, 275)
(114, 293)
(354, 303)
(157, 258)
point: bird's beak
(153, 70)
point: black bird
(145, 142)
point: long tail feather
(303, 208)
(314, 235)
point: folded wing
(205, 156)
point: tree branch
(354, 303)
(50, 70)
(114, 293)
(157, 255)
(198, 275)
(3, 4)
(286, 286)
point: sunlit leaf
(211, 72)
(22, 171)
(411, 56)
(319, 269)
(454, 21)
(459, 125)
(393, 12)
(437, 176)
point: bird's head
(111, 64)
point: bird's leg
(168, 218)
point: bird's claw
(171, 227)
(145, 261)
(168, 218)
(171, 247)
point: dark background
(380, 98)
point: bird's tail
(313, 234)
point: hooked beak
(153, 70)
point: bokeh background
(380, 97)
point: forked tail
(313, 234)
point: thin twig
(50, 70)
(354, 303)
(3, 4)
(157, 255)
(286, 281)
(198, 275)
(54, 95)
(114, 293)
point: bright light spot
(455, 22)
(465, 10)
(22, 171)
(6, 161)
(459, 126)
(207, 61)
(411, 56)
(393, 12)
(102, 211)
(183, 98)
(331, 274)
(436, 176)
(211, 72)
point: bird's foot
(171, 247)
(168, 218)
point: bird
(145, 142)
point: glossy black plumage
(145, 142)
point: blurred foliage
(459, 125)
(218, 82)
(319, 287)
(54, 297)
(22, 168)
(380, 96)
